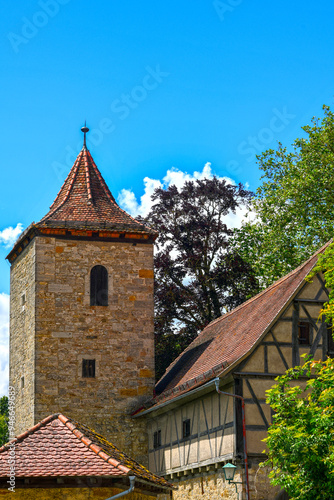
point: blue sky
(162, 85)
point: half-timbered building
(194, 430)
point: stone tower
(81, 321)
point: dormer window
(99, 286)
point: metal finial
(84, 130)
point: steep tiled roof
(229, 338)
(60, 447)
(85, 198)
(85, 208)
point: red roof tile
(229, 338)
(85, 198)
(60, 447)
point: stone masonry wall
(71, 494)
(22, 337)
(120, 337)
(211, 485)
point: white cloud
(128, 201)
(174, 176)
(235, 220)
(9, 235)
(177, 177)
(4, 343)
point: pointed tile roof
(85, 207)
(226, 340)
(85, 199)
(60, 447)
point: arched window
(99, 286)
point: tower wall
(120, 336)
(22, 337)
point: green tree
(3, 420)
(325, 264)
(293, 210)
(197, 277)
(301, 438)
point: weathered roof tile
(85, 198)
(227, 339)
(59, 446)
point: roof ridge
(273, 285)
(109, 194)
(245, 304)
(92, 446)
(89, 189)
(74, 169)
(85, 196)
(102, 181)
(30, 431)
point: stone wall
(211, 485)
(71, 494)
(22, 337)
(120, 336)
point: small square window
(304, 333)
(88, 368)
(157, 439)
(186, 428)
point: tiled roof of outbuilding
(226, 340)
(85, 198)
(60, 447)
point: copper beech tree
(197, 277)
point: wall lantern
(229, 471)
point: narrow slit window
(99, 286)
(304, 333)
(186, 428)
(157, 439)
(88, 368)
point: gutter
(123, 493)
(177, 398)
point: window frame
(157, 439)
(186, 428)
(99, 286)
(304, 340)
(88, 365)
